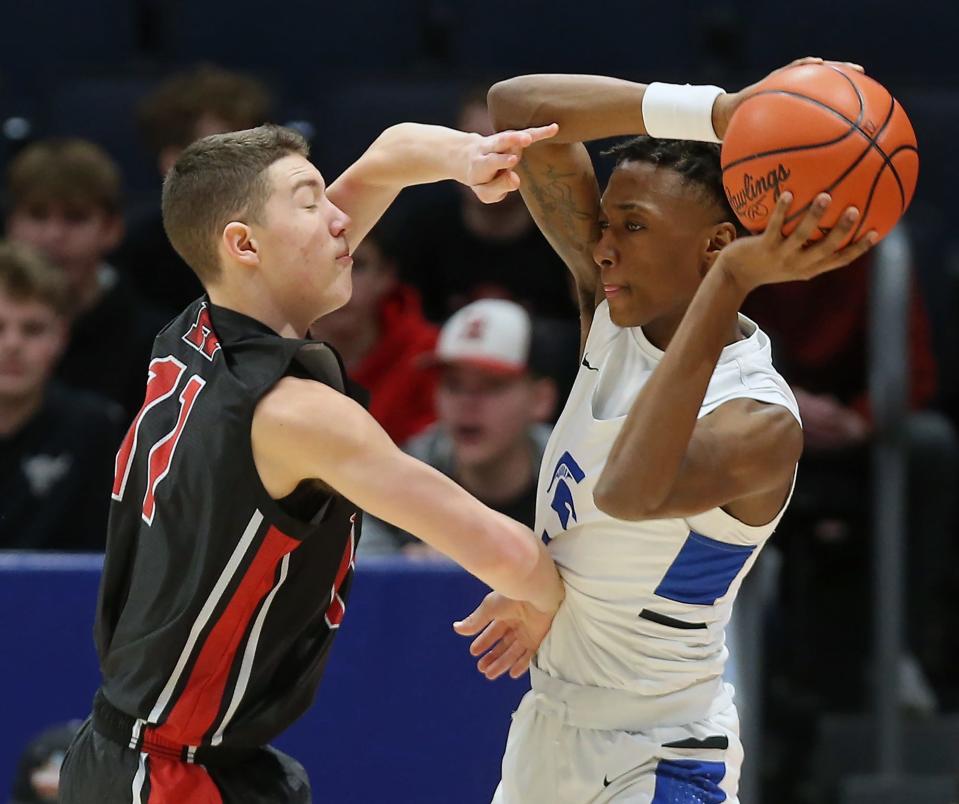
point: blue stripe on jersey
(703, 570)
(687, 781)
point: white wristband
(680, 111)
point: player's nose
(604, 255)
(340, 223)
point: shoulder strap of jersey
(322, 364)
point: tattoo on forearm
(553, 194)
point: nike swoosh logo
(606, 781)
(591, 368)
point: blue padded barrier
(402, 715)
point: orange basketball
(821, 128)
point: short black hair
(696, 162)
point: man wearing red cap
(492, 400)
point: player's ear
(239, 244)
(718, 237)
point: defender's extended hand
(726, 104)
(490, 161)
(511, 633)
(771, 257)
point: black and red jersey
(218, 604)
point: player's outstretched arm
(413, 153)
(303, 429)
(668, 463)
(586, 107)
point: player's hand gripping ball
(813, 128)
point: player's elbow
(513, 104)
(505, 105)
(622, 502)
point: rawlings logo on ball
(818, 119)
(749, 202)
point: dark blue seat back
(304, 44)
(56, 38)
(103, 110)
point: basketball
(817, 128)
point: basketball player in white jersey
(673, 460)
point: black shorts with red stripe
(100, 770)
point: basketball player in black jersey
(238, 488)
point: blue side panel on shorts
(703, 570)
(687, 781)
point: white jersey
(646, 602)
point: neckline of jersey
(231, 324)
(732, 351)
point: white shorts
(551, 760)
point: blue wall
(401, 716)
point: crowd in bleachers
(96, 104)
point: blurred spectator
(830, 359)
(491, 401)
(190, 105)
(38, 773)
(819, 333)
(457, 252)
(56, 445)
(64, 197)
(380, 333)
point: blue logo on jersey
(562, 502)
